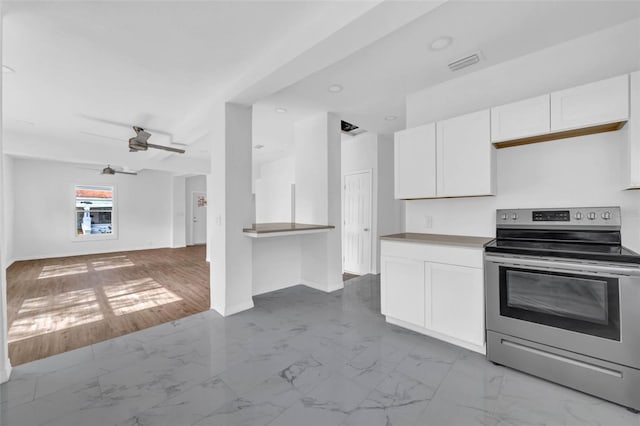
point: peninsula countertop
(453, 240)
(284, 228)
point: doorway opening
(196, 210)
(357, 222)
(198, 218)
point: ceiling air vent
(350, 129)
(467, 61)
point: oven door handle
(555, 265)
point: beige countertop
(267, 228)
(455, 240)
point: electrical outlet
(428, 221)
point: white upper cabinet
(415, 162)
(633, 154)
(602, 102)
(530, 117)
(465, 156)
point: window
(94, 213)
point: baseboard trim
(86, 253)
(5, 373)
(231, 310)
(321, 287)
(276, 288)
(472, 347)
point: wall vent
(467, 61)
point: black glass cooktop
(571, 250)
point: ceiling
(86, 71)
(377, 78)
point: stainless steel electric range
(563, 300)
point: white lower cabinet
(404, 281)
(457, 301)
(438, 298)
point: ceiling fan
(111, 171)
(139, 142)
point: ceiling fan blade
(126, 173)
(166, 148)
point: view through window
(94, 210)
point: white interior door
(356, 231)
(199, 218)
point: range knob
(504, 216)
(606, 215)
(514, 216)
(578, 216)
(591, 215)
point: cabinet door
(465, 156)
(402, 289)
(415, 162)
(520, 119)
(457, 302)
(604, 101)
(633, 154)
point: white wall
(44, 210)
(311, 159)
(8, 173)
(276, 263)
(390, 210)
(178, 207)
(584, 171)
(273, 195)
(5, 364)
(192, 184)
(230, 209)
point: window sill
(94, 237)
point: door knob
(366, 229)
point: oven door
(581, 307)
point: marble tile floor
(299, 358)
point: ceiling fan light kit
(139, 142)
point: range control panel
(562, 217)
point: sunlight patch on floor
(111, 262)
(137, 295)
(49, 314)
(51, 271)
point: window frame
(114, 215)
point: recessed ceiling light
(335, 88)
(281, 110)
(259, 146)
(390, 117)
(6, 68)
(441, 43)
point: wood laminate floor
(56, 305)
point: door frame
(344, 191)
(193, 199)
